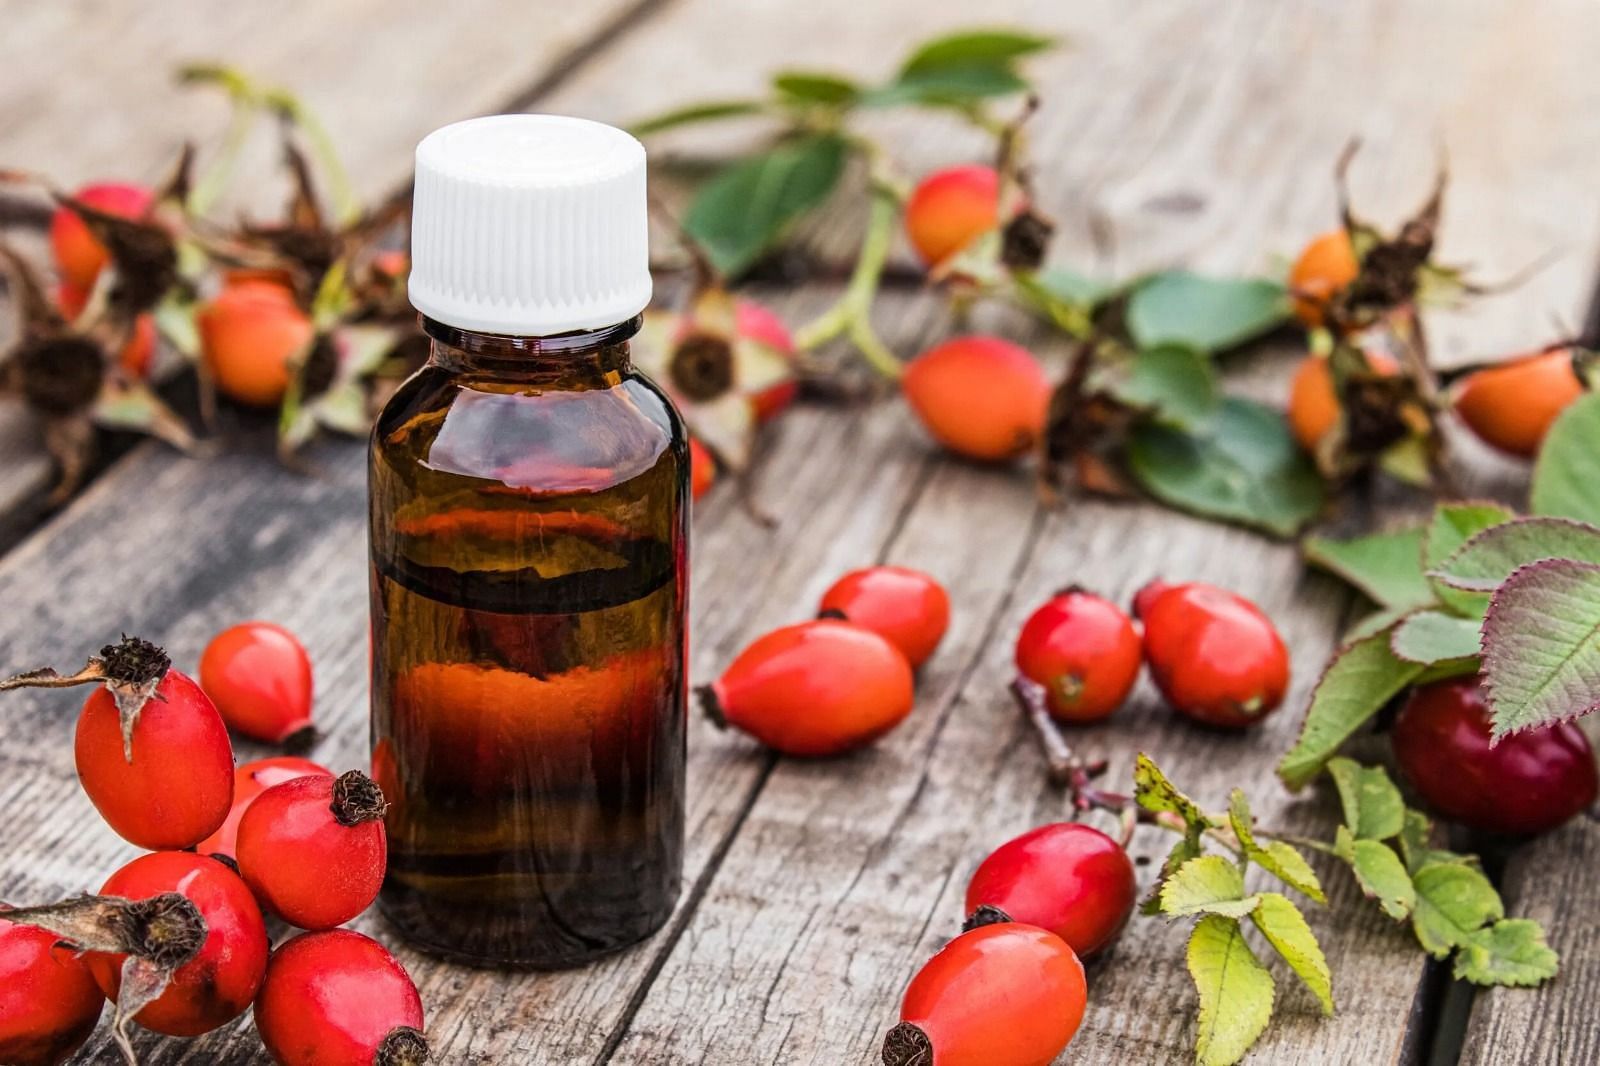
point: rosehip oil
(529, 505)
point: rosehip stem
(1066, 769)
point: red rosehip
(338, 998)
(760, 324)
(313, 849)
(981, 397)
(907, 607)
(1213, 655)
(249, 781)
(817, 688)
(49, 1002)
(702, 469)
(218, 983)
(1000, 995)
(1085, 653)
(1527, 783)
(950, 209)
(250, 336)
(1068, 878)
(259, 676)
(1512, 406)
(79, 255)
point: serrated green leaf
(1236, 991)
(1209, 884)
(1187, 847)
(1241, 466)
(1567, 472)
(695, 113)
(1416, 844)
(1176, 385)
(813, 87)
(1486, 560)
(1453, 902)
(1372, 805)
(1377, 622)
(1379, 872)
(1452, 525)
(1285, 928)
(1153, 791)
(1355, 686)
(739, 214)
(1510, 952)
(1205, 313)
(1386, 567)
(1277, 858)
(1541, 639)
(1429, 637)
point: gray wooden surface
(1199, 134)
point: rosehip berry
(1512, 406)
(250, 336)
(702, 469)
(1324, 268)
(313, 849)
(951, 208)
(817, 688)
(49, 1002)
(220, 980)
(152, 752)
(1000, 995)
(981, 397)
(338, 998)
(906, 607)
(1313, 404)
(1084, 651)
(1068, 878)
(249, 781)
(754, 322)
(1213, 655)
(79, 255)
(1527, 783)
(259, 676)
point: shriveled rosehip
(1213, 654)
(817, 688)
(1068, 878)
(762, 325)
(249, 781)
(1528, 783)
(907, 607)
(259, 676)
(313, 849)
(338, 998)
(1324, 268)
(138, 352)
(1084, 651)
(1513, 405)
(250, 336)
(1001, 995)
(220, 981)
(151, 749)
(981, 397)
(951, 208)
(49, 1002)
(1313, 405)
(702, 469)
(78, 254)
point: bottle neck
(597, 356)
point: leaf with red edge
(1541, 641)
(1360, 679)
(1488, 558)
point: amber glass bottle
(529, 547)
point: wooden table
(1201, 134)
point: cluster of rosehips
(177, 938)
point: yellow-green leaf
(1373, 808)
(1236, 991)
(1379, 872)
(1285, 928)
(1453, 902)
(1274, 856)
(1512, 951)
(1209, 884)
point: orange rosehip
(250, 335)
(981, 397)
(1324, 268)
(951, 208)
(1313, 404)
(1512, 406)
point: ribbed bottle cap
(529, 225)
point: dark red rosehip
(1068, 878)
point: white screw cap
(529, 225)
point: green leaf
(1073, 288)
(1379, 872)
(1372, 805)
(1236, 991)
(1188, 847)
(695, 113)
(1209, 884)
(1176, 385)
(1209, 314)
(811, 87)
(744, 210)
(1386, 567)
(1512, 952)
(1541, 641)
(1567, 472)
(1277, 858)
(1355, 686)
(1453, 902)
(1429, 637)
(1285, 928)
(961, 69)
(1416, 844)
(999, 48)
(1242, 467)
(1154, 792)
(1486, 560)
(1454, 524)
